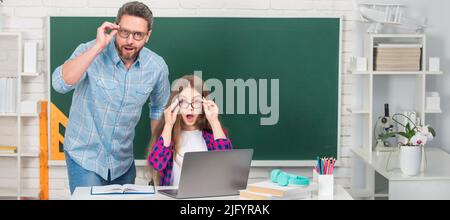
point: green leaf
(404, 134)
(409, 131)
(432, 131)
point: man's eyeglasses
(136, 35)
(195, 105)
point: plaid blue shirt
(107, 104)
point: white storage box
(433, 101)
(29, 107)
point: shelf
(378, 195)
(30, 193)
(382, 191)
(381, 194)
(30, 74)
(12, 114)
(398, 35)
(56, 163)
(434, 73)
(21, 115)
(396, 73)
(380, 4)
(374, 88)
(17, 191)
(10, 34)
(12, 192)
(436, 169)
(8, 155)
(29, 153)
(433, 111)
(29, 114)
(26, 153)
(357, 111)
(356, 72)
(8, 192)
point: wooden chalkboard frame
(255, 163)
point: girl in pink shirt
(190, 124)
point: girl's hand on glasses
(103, 37)
(170, 114)
(211, 111)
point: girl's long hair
(187, 81)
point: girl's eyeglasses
(195, 105)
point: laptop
(212, 173)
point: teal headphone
(284, 179)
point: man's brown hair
(137, 9)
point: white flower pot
(410, 159)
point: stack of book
(267, 190)
(8, 149)
(8, 91)
(397, 57)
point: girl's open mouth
(190, 117)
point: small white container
(30, 57)
(325, 184)
(434, 64)
(361, 64)
(433, 101)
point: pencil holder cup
(325, 183)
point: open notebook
(122, 189)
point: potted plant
(416, 137)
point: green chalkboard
(301, 54)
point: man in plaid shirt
(112, 77)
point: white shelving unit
(14, 42)
(402, 90)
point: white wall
(28, 17)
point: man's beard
(128, 56)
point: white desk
(433, 182)
(84, 193)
